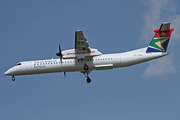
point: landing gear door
(29, 66)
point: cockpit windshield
(18, 64)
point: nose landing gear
(13, 78)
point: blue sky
(32, 30)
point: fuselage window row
(47, 63)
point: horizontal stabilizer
(164, 27)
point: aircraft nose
(8, 72)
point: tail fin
(161, 39)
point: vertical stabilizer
(161, 39)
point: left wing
(81, 43)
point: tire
(13, 79)
(86, 67)
(88, 80)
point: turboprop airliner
(85, 59)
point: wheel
(88, 80)
(86, 67)
(13, 79)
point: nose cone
(8, 72)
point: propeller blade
(60, 54)
(64, 74)
(60, 50)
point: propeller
(61, 57)
(60, 54)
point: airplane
(85, 59)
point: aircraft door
(29, 66)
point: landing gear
(88, 80)
(13, 78)
(86, 67)
(86, 74)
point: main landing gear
(88, 80)
(13, 78)
(86, 67)
(86, 72)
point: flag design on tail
(161, 39)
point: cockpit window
(18, 64)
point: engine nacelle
(76, 54)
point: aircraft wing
(81, 42)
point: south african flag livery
(161, 39)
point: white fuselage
(102, 62)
